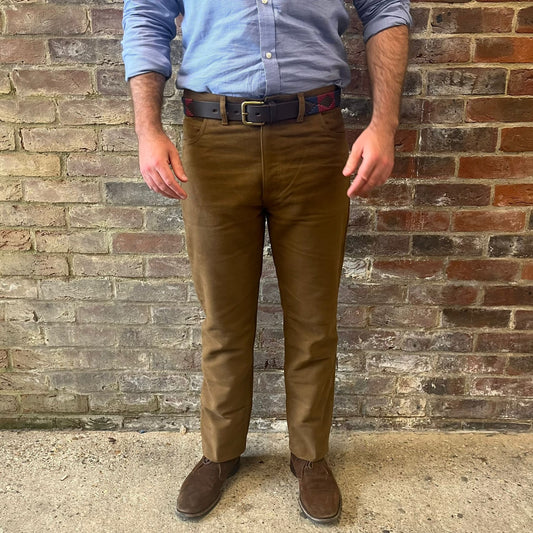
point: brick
(7, 138)
(156, 291)
(442, 341)
(58, 139)
(18, 288)
(79, 335)
(86, 51)
(519, 194)
(111, 82)
(5, 82)
(524, 319)
(347, 383)
(147, 243)
(524, 22)
(62, 191)
(76, 289)
(398, 363)
(28, 215)
(174, 359)
(122, 193)
(4, 359)
(37, 311)
(8, 404)
(94, 216)
(192, 315)
(511, 246)
(98, 265)
(153, 382)
(15, 240)
(431, 245)
(403, 317)
(130, 403)
(34, 110)
(407, 268)
(155, 336)
(107, 111)
(465, 408)
(503, 49)
(475, 318)
(106, 21)
(368, 339)
(472, 20)
(443, 111)
(502, 387)
(527, 272)
(449, 50)
(363, 245)
(458, 139)
(499, 109)
(520, 82)
(451, 194)
(120, 139)
(355, 268)
(482, 270)
(519, 408)
(45, 19)
(79, 241)
(51, 82)
(480, 221)
(459, 81)
(103, 165)
(22, 51)
(372, 293)
(164, 218)
(85, 381)
(10, 191)
(166, 267)
(53, 403)
(361, 219)
(423, 167)
(485, 364)
(519, 365)
(505, 342)
(394, 407)
(28, 264)
(420, 19)
(22, 381)
(112, 313)
(508, 295)
(443, 385)
(517, 139)
(19, 164)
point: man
(264, 141)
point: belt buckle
(244, 112)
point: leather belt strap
(258, 113)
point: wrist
(384, 126)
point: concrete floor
(111, 482)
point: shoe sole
(197, 516)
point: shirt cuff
(382, 23)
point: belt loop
(223, 110)
(301, 107)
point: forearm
(147, 95)
(387, 53)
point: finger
(177, 167)
(168, 180)
(157, 185)
(363, 179)
(353, 159)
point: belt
(260, 112)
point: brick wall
(99, 325)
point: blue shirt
(250, 48)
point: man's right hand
(160, 165)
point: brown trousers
(289, 174)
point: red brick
(485, 364)
(472, 20)
(495, 167)
(108, 21)
(451, 194)
(527, 272)
(23, 51)
(502, 387)
(431, 294)
(450, 50)
(520, 366)
(499, 109)
(15, 240)
(403, 317)
(503, 221)
(404, 220)
(520, 82)
(525, 20)
(519, 194)
(420, 16)
(147, 243)
(475, 318)
(423, 167)
(407, 268)
(482, 270)
(508, 295)
(504, 49)
(524, 319)
(517, 139)
(45, 19)
(52, 82)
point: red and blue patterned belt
(259, 112)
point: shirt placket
(267, 43)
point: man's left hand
(373, 153)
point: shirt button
(268, 55)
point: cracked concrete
(392, 482)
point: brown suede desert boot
(320, 497)
(202, 488)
